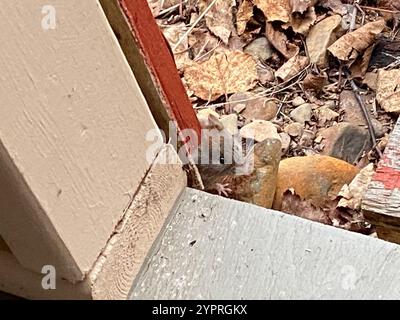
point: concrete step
(216, 248)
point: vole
(220, 154)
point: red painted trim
(389, 177)
(160, 63)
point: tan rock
(260, 109)
(294, 129)
(314, 178)
(230, 123)
(260, 130)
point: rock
(353, 113)
(307, 138)
(302, 113)
(203, 114)
(261, 109)
(260, 130)
(258, 108)
(285, 138)
(314, 178)
(320, 37)
(258, 186)
(265, 74)
(345, 141)
(325, 114)
(388, 90)
(294, 129)
(230, 123)
(331, 104)
(259, 49)
(238, 108)
(298, 101)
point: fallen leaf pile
(302, 67)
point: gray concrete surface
(215, 248)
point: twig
(365, 112)
(379, 9)
(171, 8)
(193, 25)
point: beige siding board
(72, 129)
(126, 251)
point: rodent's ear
(215, 123)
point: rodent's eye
(222, 159)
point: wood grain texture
(216, 248)
(118, 265)
(381, 202)
(127, 249)
(72, 134)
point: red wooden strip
(160, 63)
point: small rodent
(219, 154)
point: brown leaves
(244, 14)
(354, 43)
(388, 90)
(292, 67)
(301, 23)
(279, 40)
(219, 19)
(321, 36)
(302, 5)
(222, 74)
(274, 10)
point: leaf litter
(298, 56)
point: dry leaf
(279, 40)
(360, 66)
(354, 43)
(335, 5)
(302, 5)
(315, 82)
(202, 42)
(219, 19)
(223, 73)
(173, 33)
(274, 10)
(244, 14)
(371, 79)
(302, 23)
(352, 194)
(294, 205)
(388, 90)
(320, 37)
(292, 67)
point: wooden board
(117, 266)
(72, 134)
(152, 63)
(215, 248)
(381, 203)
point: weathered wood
(216, 248)
(117, 266)
(72, 134)
(152, 63)
(381, 203)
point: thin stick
(170, 8)
(379, 9)
(366, 114)
(193, 25)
